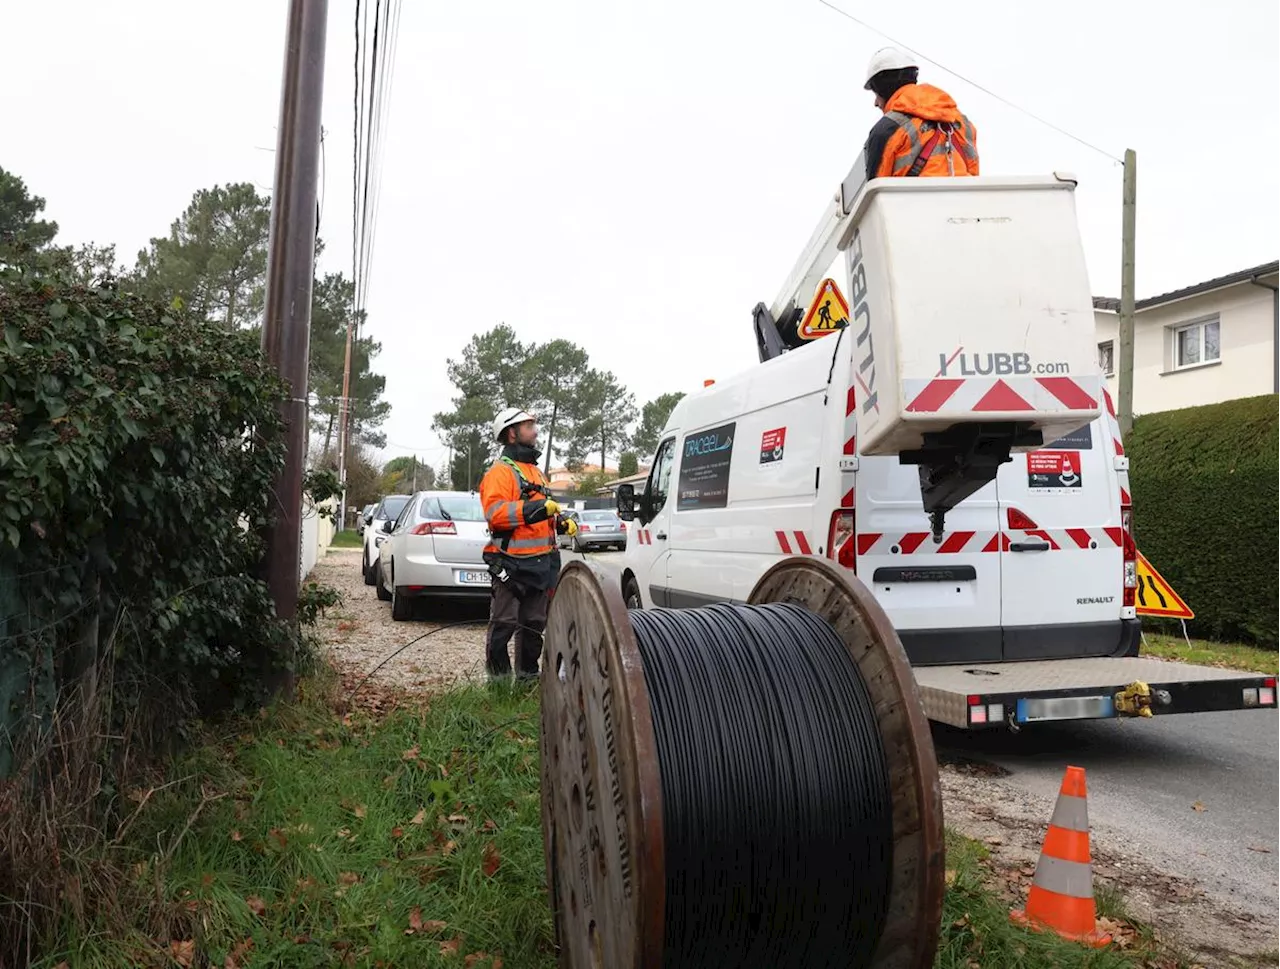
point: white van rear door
(648, 543)
(944, 599)
(1062, 569)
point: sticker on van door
(772, 444)
(704, 469)
(1053, 470)
(1081, 439)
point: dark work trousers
(526, 618)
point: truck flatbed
(977, 695)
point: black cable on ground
(777, 816)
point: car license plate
(1065, 708)
(474, 578)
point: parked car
(597, 528)
(387, 510)
(435, 550)
(363, 518)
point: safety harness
(528, 491)
(943, 132)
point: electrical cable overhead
(985, 90)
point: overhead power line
(985, 90)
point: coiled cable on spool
(777, 812)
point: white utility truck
(950, 441)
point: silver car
(597, 528)
(435, 550)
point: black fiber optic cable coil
(777, 812)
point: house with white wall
(1214, 341)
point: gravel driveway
(360, 634)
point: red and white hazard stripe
(793, 543)
(967, 395)
(970, 543)
(1113, 421)
(847, 479)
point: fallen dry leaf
(457, 819)
(256, 905)
(434, 925)
(359, 810)
(449, 847)
(489, 826)
(280, 837)
(476, 957)
(1197, 806)
(450, 946)
(994, 840)
(348, 878)
(415, 921)
(492, 860)
(397, 832)
(183, 953)
(419, 817)
(236, 958)
(411, 753)
(1260, 850)
(236, 835)
(950, 876)
(343, 833)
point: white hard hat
(509, 417)
(887, 59)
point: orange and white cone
(1061, 897)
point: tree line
(213, 263)
(584, 412)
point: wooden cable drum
(749, 785)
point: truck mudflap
(1015, 695)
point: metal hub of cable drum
(750, 784)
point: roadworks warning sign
(1156, 596)
(827, 313)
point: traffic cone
(1061, 897)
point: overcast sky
(635, 177)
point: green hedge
(1205, 503)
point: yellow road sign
(1156, 596)
(827, 313)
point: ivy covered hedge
(1205, 502)
(137, 451)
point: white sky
(635, 177)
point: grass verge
(313, 836)
(347, 539)
(1232, 656)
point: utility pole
(1127, 258)
(413, 488)
(343, 421)
(286, 328)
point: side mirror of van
(626, 501)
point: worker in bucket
(922, 131)
(522, 556)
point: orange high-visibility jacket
(922, 122)
(518, 525)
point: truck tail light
(840, 538)
(1130, 550)
(434, 528)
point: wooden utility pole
(1127, 257)
(344, 421)
(286, 327)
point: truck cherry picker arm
(1016, 284)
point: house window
(1107, 357)
(1196, 343)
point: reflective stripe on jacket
(518, 526)
(926, 124)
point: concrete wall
(1246, 365)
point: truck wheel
(631, 594)
(401, 606)
(384, 594)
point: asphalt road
(1196, 793)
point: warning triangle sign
(1156, 596)
(827, 313)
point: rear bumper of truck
(985, 695)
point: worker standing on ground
(922, 131)
(522, 555)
